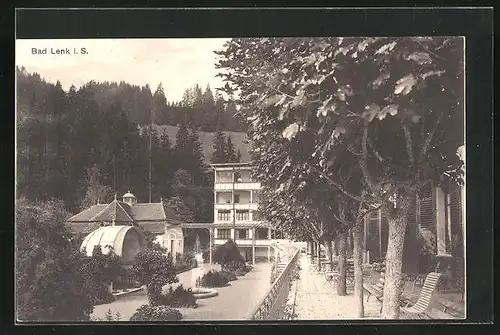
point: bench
(377, 290)
(424, 299)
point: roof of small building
(148, 212)
(151, 216)
(84, 227)
(116, 211)
(87, 214)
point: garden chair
(377, 290)
(424, 299)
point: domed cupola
(129, 198)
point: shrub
(214, 279)
(156, 313)
(51, 285)
(185, 261)
(228, 256)
(178, 257)
(229, 275)
(180, 297)
(154, 269)
(108, 317)
(206, 255)
(126, 281)
(100, 270)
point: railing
(272, 306)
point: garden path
(234, 302)
(318, 300)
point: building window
(223, 177)
(242, 176)
(236, 198)
(242, 215)
(261, 233)
(241, 233)
(224, 233)
(223, 215)
(223, 197)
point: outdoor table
(331, 277)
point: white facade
(173, 240)
(236, 207)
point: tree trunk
(329, 254)
(394, 261)
(341, 283)
(312, 252)
(318, 254)
(358, 268)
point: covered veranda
(259, 245)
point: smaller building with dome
(125, 241)
(118, 226)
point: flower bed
(180, 297)
(214, 279)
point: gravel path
(318, 300)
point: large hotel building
(236, 212)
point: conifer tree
(160, 111)
(230, 153)
(219, 154)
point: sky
(177, 63)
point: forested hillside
(84, 145)
(239, 140)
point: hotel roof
(230, 164)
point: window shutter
(373, 237)
(456, 218)
(456, 207)
(427, 210)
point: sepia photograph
(240, 179)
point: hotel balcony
(244, 242)
(228, 186)
(228, 206)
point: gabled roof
(152, 212)
(83, 227)
(147, 212)
(153, 217)
(116, 211)
(88, 214)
